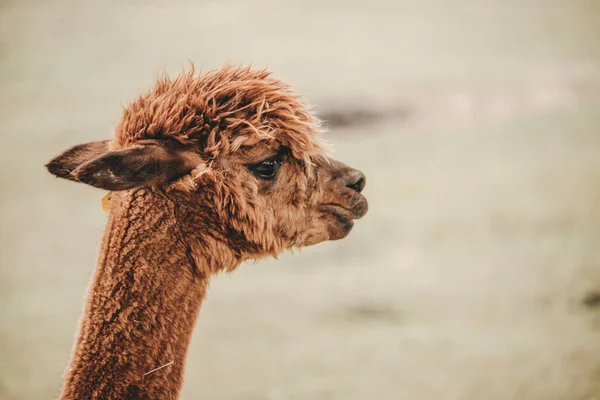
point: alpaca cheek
(309, 230)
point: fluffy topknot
(220, 111)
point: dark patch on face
(239, 243)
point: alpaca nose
(356, 180)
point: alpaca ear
(63, 165)
(146, 164)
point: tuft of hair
(221, 111)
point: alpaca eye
(268, 168)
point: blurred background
(476, 273)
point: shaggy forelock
(221, 111)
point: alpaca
(206, 172)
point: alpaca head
(232, 146)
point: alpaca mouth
(342, 217)
(357, 210)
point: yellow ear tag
(105, 200)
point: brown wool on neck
(143, 302)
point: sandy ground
(476, 274)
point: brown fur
(189, 203)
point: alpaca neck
(142, 305)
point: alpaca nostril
(358, 183)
